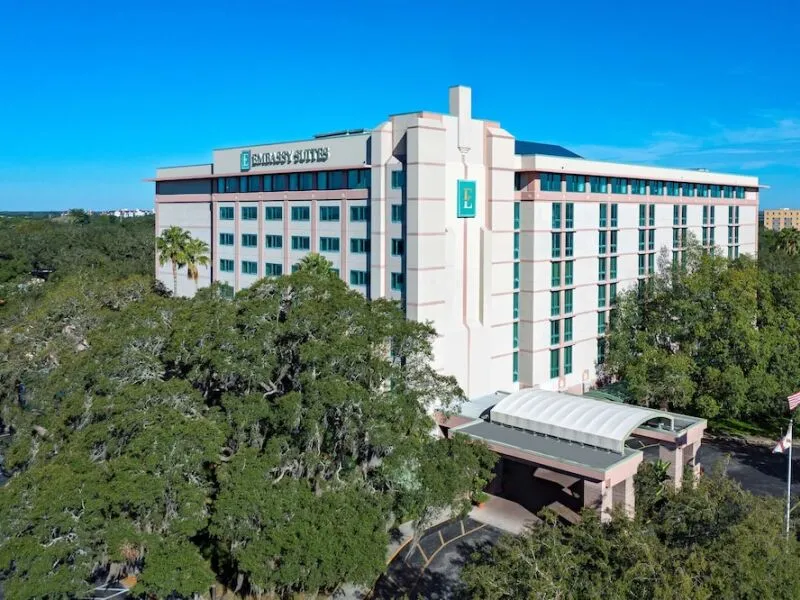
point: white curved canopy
(579, 419)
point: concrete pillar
(674, 456)
(624, 497)
(598, 496)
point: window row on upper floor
(349, 179)
(303, 213)
(552, 182)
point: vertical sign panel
(466, 199)
(244, 160)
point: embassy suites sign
(249, 159)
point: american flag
(794, 401)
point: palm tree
(789, 241)
(172, 245)
(196, 253)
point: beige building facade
(781, 218)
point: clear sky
(95, 95)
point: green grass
(744, 429)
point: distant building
(781, 218)
(514, 250)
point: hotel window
(568, 329)
(226, 239)
(651, 241)
(711, 222)
(516, 305)
(249, 213)
(307, 181)
(651, 261)
(274, 241)
(676, 237)
(359, 245)
(601, 323)
(231, 185)
(516, 245)
(336, 180)
(555, 304)
(642, 215)
(515, 335)
(683, 214)
(656, 188)
(619, 185)
(397, 282)
(567, 360)
(226, 265)
(221, 185)
(322, 180)
(397, 213)
(702, 190)
(359, 278)
(515, 367)
(273, 269)
(294, 182)
(358, 179)
(613, 248)
(727, 191)
(569, 243)
(301, 213)
(555, 274)
(554, 363)
(254, 183)
(739, 192)
(613, 267)
(601, 351)
(518, 183)
(329, 244)
(280, 182)
(555, 333)
(295, 267)
(676, 214)
(569, 215)
(267, 183)
(638, 187)
(642, 264)
(516, 276)
(273, 213)
(715, 191)
(601, 269)
(550, 182)
(612, 293)
(556, 217)
(556, 241)
(516, 214)
(673, 188)
(569, 267)
(601, 296)
(398, 179)
(652, 216)
(301, 242)
(599, 185)
(568, 294)
(576, 183)
(359, 214)
(249, 267)
(249, 240)
(604, 215)
(226, 213)
(642, 240)
(328, 213)
(398, 247)
(601, 246)
(614, 214)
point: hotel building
(514, 250)
(781, 218)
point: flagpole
(789, 481)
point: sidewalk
(503, 514)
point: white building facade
(515, 251)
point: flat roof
(543, 445)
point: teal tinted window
(601, 269)
(576, 183)
(740, 192)
(273, 270)
(569, 215)
(638, 187)
(619, 185)
(254, 183)
(516, 306)
(397, 213)
(601, 244)
(398, 247)
(359, 213)
(294, 182)
(398, 179)
(601, 296)
(295, 267)
(554, 363)
(328, 213)
(359, 278)
(249, 240)
(556, 216)
(569, 244)
(231, 185)
(604, 215)
(274, 241)
(651, 217)
(555, 274)
(515, 367)
(656, 188)
(687, 189)
(716, 192)
(337, 180)
(516, 214)
(613, 244)
(727, 191)
(641, 266)
(397, 282)
(599, 185)
(301, 242)
(642, 215)
(267, 183)
(550, 182)
(613, 267)
(555, 332)
(226, 265)
(329, 244)
(515, 335)
(307, 181)
(555, 304)
(226, 213)
(614, 214)
(280, 182)
(273, 213)
(556, 245)
(359, 245)
(322, 180)
(702, 190)
(516, 245)
(567, 360)
(249, 267)
(568, 329)
(516, 275)
(226, 239)
(301, 213)
(568, 295)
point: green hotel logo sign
(466, 199)
(244, 160)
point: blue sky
(96, 95)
